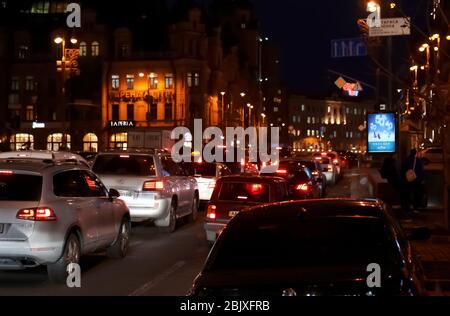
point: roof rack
(45, 156)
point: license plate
(1, 228)
(233, 213)
(127, 193)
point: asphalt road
(157, 264)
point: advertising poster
(381, 133)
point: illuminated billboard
(381, 133)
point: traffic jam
(269, 232)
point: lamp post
(250, 108)
(263, 115)
(61, 41)
(243, 109)
(223, 107)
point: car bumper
(17, 255)
(144, 209)
(213, 230)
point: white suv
(53, 209)
(151, 184)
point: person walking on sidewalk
(413, 176)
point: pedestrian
(389, 172)
(413, 176)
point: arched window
(55, 142)
(22, 142)
(119, 141)
(95, 48)
(90, 143)
(83, 49)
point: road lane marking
(147, 286)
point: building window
(308, 132)
(329, 109)
(115, 112)
(95, 49)
(23, 52)
(196, 79)
(55, 141)
(294, 119)
(168, 112)
(115, 82)
(243, 25)
(90, 143)
(153, 81)
(298, 132)
(130, 112)
(41, 7)
(15, 84)
(355, 111)
(303, 108)
(130, 82)
(169, 81)
(299, 118)
(314, 120)
(29, 83)
(335, 134)
(119, 141)
(30, 113)
(83, 49)
(189, 79)
(124, 50)
(22, 142)
(308, 120)
(153, 112)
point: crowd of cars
(272, 233)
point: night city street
(201, 155)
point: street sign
(349, 47)
(392, 27)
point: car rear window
(244, 192)
(327, 241)
(201, 169)
(134, 165)
(310, 165)
(20, 187)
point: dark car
(302, 184)
(234, 193)
(312, 248)
(317, 172)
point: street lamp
(263, 115)
(223, 105)
(61, 41)
(250, 107)
(372, 6)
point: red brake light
(6, 172)
(211, 212)
(40, 214)
(153, 186)
(315, 173)
(335, 161)
(125, 156)
(281, 171)
(302, 187)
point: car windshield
(248, 192)
(133, 165)
(327, 241)
(20, 187)
(201, 169)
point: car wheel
(170, 222)
(119, 248)
(57, 272)
(194, 212)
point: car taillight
(6, 172)
(153, 186)
(281, 171)
(302, 187)
(315, 173)
(212, 185)
(335, 161)
(39, 214)
(330, 167)
(211, 212)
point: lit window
(41, 7)
(90, 143)
(243, 26)
(83, 49)
(95, 49)
(119, 141)
(130, 82)
(15, 84)
(355, 111)
(329, 109)
(153, 81)
(55, 141)
(196, 79)
(335, 134)
(169, 81)
(124, 50)
(314, 120)
(347, 110)
(308, 132)
(275, 109)
(308, 120)
(23, 51)
(22, 141)
(30, 113)
(115, 82)
(29, 83)
(294, 119)
(298, 132)
(303, 107)
(189, 79)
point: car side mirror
(113, 194)
(419, 234)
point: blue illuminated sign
(381, 133)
